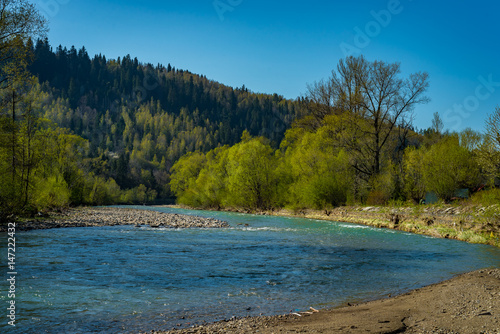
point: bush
(486, 197)
(377, 197)
(382, 187)
(448, 167)
(51, 193)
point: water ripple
(105, 279)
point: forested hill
(140, 118)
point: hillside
(139, 118)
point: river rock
(87, 217)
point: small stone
(484, 313)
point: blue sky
(282, 46)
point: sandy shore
(466, 304)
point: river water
(125, 279)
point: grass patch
(486, 197)
(447, 232)
(472, 237)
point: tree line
(76, 130)
(356, 144)
(139, 119)
(79, 130)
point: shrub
(377, 197)
(486, 197)
(51, 192)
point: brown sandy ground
(108, 216)
(466, 304)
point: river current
(125, 279)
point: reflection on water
(126, 279)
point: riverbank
(469, 223)
(466, 223)
(468, 303)
(108, 216)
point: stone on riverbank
(88, 217)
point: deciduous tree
(379, 101)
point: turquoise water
(124, 279)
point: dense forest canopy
(148, 116)
(131, 121)
(76, 129)
(102, 85)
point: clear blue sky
(279, 47)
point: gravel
(107, 216)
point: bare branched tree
(376, 97)
(19, 21)
(437, 124)
(493, 128)
(489, 153)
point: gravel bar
(108, 216)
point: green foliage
(413, 174)
(100, 131)
(184, 174)
(250, 174)
(373, 103)
(22, 145)
(212, 179)
(139, 119)
(448, 167)
(320, 174)
(251, 179)
(313, 170)
(50, 193)
(241, 176)
(488, 158)
(382, 187)
(486, 197)
(100, 191)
